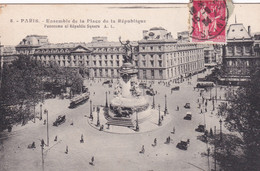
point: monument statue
(128, 56)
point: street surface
(114, 151)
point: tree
(242, 115)
(20, 90)
(77, 84)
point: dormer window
(233, 30)
(241, 30)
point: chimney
(249, 30)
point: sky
(173, 17)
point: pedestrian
(67, 149)
(201, 111)
(155, 142)
(142, 150)
(173, 131)
(92, 160)
(55, 139)
(162, 117)
(206, 110)
(211, 132)
(177, 108)
(81, 140)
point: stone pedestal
(125, 104)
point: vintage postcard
(114, 87)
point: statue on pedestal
(128, 56)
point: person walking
(67, 149)
(155, 142)
(173, 130)
(142, 150)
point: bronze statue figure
(128, 56)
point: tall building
(161, 57)
(239, 57)
(157, 55)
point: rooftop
(237, 31)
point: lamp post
(159, 121)
(153, 105)
(213, 103)
(215, 160)
(165, 110)
(42, 146)
(106, 100)
(216, 92)
(98, 122)
(220, 122)
(208, 150)
(34, 113)
(137, 126)
(90, 104)
(47, 113)
(40, 111)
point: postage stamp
(208, 20)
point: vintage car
(183, 144)
(188, 116)
(143, 85)
(61, 119)
(201, 128)
(150, 92)
(107, 82)
(176, 88)
(187, 106)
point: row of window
(238, 63)
(166, 47)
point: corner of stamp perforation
(208, 21)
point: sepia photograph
(130, 87)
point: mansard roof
(237, 31)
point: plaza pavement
(112, 151)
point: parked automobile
(143, 85)
(187, 106)
(188, 116)
(150, 92)
(176, 88)
(183, 145)
(201, 128)
(107, 82)
(61, 119)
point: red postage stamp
(208, 20)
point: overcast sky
(173, 17)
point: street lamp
(98, 122)
(40, 111)
(42, 146)
(165, 110)
(47, 113)
(106, 100)
(137, 126)
(220, 122)
(91, 115)
(159, 121)
(153, 105)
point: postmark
(208, 20)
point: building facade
(157, 55)
(239, 57)
(162, 57)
